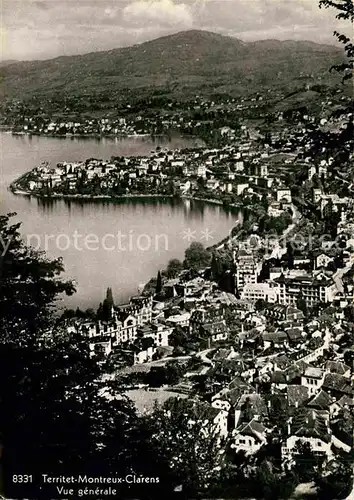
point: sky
(43, 29)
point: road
(296, 218)
(162, 362)
(201, 354)
(280, 249)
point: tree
(289, 255)
(54, 416)
(174, 267)
(302, 305)
(338, 484)
(156, 377)
(173, 372)
(29, 284)
(109, 297)
(158, 283)
(178, 337)
(227, 282)
(188, 444)
(196, 256)
(259, 304)
(233, 481)
(345, 12)
(339, 145)
(216, 268)
(270, 485)
(349, 357)
(105, 310)
(307, 464)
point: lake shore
(87, 197)
(17, 190)
(162, 218)
(8, 130)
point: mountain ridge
(191, 59)
(185, 32)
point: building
(209, 324)
(317, 193)
(179, 320)
(143, 354)
(248, 268)
(214, 420)
(312, 289)
(284, 194)
(201, 171)
(313, 379)
(240, 188)
(128, 330)
(215, 331)
(323, 260)
(308, 426)
(205, 316)
(141, 307)
(159, 332)
(101, 346)
(249, 437)
(277, 340)
(259, 291)
(339, 368)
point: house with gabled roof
(283, 312)
(278, 339)
(245, 387)
(342, 431)
(346, 402)
(159, 332)
(308, 426)
(281, 362)
(249, 437)
(337, 385)
(226, 399)
(338, 367)
(280, 379)
(215, 331)
(224, 353)
(250, 405)
(215, 418)
(143, 350)
(323, 260)
(295, 335)
(321, 401)
(101, 346)
(312, 378)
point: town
(228, 374)
(255, 334)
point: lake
(121, 244)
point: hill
(7, 62)
(180, 64)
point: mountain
(179, 64)
(7, 62)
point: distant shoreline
(78, 136)
(7, 129)
(87, 197)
